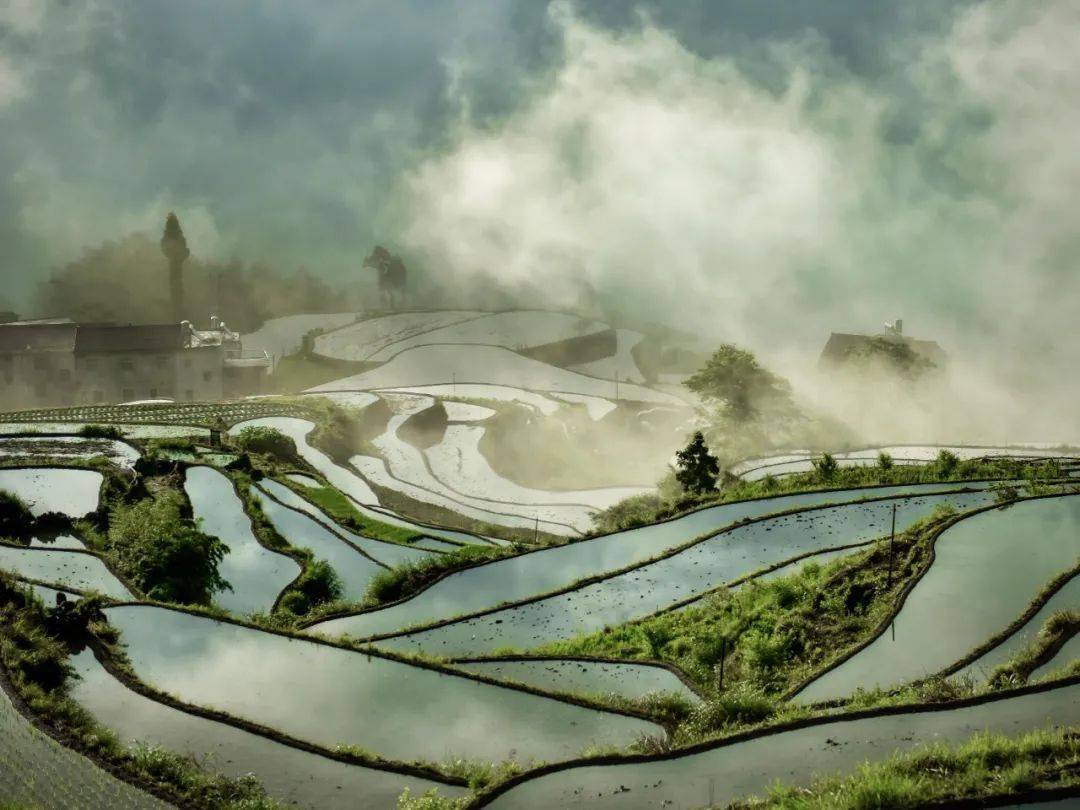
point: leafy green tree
(946, 462)
(696, 468)
(165, 554)
(733, 379)
(884, 461)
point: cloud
(686, 190)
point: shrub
(16, 519)
(947, 462)
(267, 440)
(825, 467)
(165, 554)
(318, 585)
(884, 461)
(736, 706)
(101, 432)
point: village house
(61, 364)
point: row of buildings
(46, 364)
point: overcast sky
(725, 164)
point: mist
(760, 182)
(686, 190)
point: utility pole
(892, 537)
(536, 530)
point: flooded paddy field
(288, 774)
(644, 590)
(1008, 552)
(64, 569)
(721, 774)
(585, 677)
(325, 695)
(69, 491)
(543, 571)
(257, 574)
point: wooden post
(536, 530)
(892, 537)
(723, 655)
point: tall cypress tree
(174, 246)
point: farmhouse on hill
(842, 348)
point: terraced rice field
(325, 724)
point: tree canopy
(733, 379)
(165, 554)
(696, 468)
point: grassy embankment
(745, 649)
(983, 768)
(671, 500)
(35, 644)
(1052, 636)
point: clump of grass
(428, 800)
(101, 432)
(1057, 630)
(984, 766)
(16, 519)
(670, 499)
(405, 580)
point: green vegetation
(671, 499)
(1057, 630)
(338, 507)
(735, 383)
(748, 647)
(405, 580)
(983, 767)
(318, 585)
(35, 654)
(16, 519)
(163, 553)
(696, 468)
(750, 410)
(268, 441)
(101, 432)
